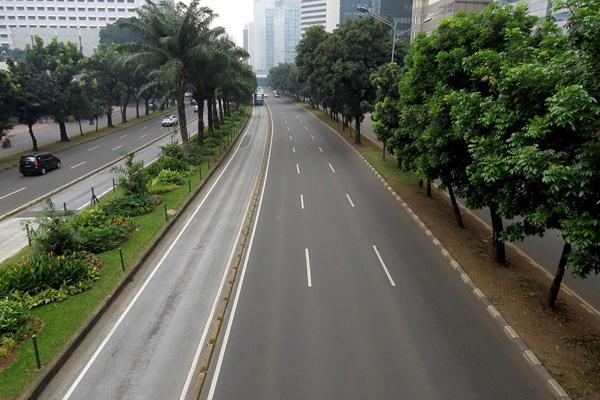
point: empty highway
(342, 295)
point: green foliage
(168, 177)
(129, 205)
(53, 233)
(167, 162)
(173, 150)
(133, 179)
(162, 188)
(96, 232)
(13, 317)
(8, 93)
(32, 276)
(117, 33)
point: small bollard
(189, 186)
(65, 207)
(37, 352)
(28, 234)
(166, 215)
(200, 169)
(113, 182)
(121, 257)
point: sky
(233, 15)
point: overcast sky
(233, 15)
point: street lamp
(391, 24)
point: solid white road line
(298, 169)
(147, 281)
(123, 136)
(312, 137)
(77, 165)
(11, 193)
(302, 202)
(320, 149)
(215, 378)
(293, 149)
(143, 136)
(117, 148)
(350, 200)
(331, 166)
(383, 266)
(93, 148)
(308, 274)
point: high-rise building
(426, 14)
(325, 13)
(542, 9)
(263, 36)
(246, 44)
(77, 21)
(286, 30)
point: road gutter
(235, 266)
(540, 371)
(52, 369)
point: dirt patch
(566, 340)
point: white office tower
(264, 52)
(542, 9)
(286, 30)
(77, 21)
(325, 13)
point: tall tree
(7, 102)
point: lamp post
(391, 24)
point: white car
(169, 120)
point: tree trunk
(137, 106)
(63, 132)
(383, 151)
(34, 144)
(200, 103)
(146, 104)
(420, 183)
(357, 133)
(221, 113)
(109, 123)
(80, 129)
(182, 117)
(343, 123)
(96, 123)
(216, 121)
(560, 272)
(497, 228)
(455, 207)
(428, 185)
(124, 110)
(209, 112)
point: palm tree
(171, 42)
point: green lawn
(13, 159)
(62, 320)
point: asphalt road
(16, 189)
(146, 345)
(48, 132)
(545, 250)
(342, 296)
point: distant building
(67, 20)
(325, 13)
(286, 30)
(246, 44)
(426, 14)
(542, 9)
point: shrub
(161, 188)
(13, 317)
(34, 275)
(167, 162)
(53, 233)
(167, 176)
(133, 179)
(173, 150)
(128, 205)
(96, 239)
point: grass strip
(13, 159)
(62, 320)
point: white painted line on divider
(77, 165)
(117, 148)
(215, 378)
(143, 127)
(331, 166)
(383, 266)
(320, 149)
(293, 149)
(123, 136)
(290, 137)
(11, 193)
(350, 200)
(143, 136)
(305, 127)
(298, 169)
(288, 128)
(302, 202)
(147, 281)
(308, 274)
(93, 148)
(312, 137)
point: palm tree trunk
(209, 104)
(357, 136)
(34, 144)
(221, 117)
(215, 112)
(146, 104)
(182, 117)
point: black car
(38, 163)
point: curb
(81, 178)
(557, 391)
(75, 341)
(235, 266)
